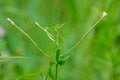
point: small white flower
(104, 14)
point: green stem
(50, 36)
(56, 76)
(28, 37)
(83, 37)
(14, 57)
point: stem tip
(11, 22)
(104, 14)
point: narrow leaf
(13, 57)
(58, 55)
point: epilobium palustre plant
(59, 58)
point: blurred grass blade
(13, 57)
(27, 37)
(27, 75)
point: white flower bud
(11, 22)
(104, 14)
(37, 23)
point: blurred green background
(96, 58)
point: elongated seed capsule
(10, 21)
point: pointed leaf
(58, 55)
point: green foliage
(96, 58)
(58, 51)
(50, 70)
(2, 45)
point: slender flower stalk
(12, 22)
(59, 59)
(52, 38)
(83, 37)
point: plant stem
(14, 57)
(28, 37)
(50, 36)
(57, 61)
(56, 76)
(83, 37)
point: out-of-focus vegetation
(96, 58)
